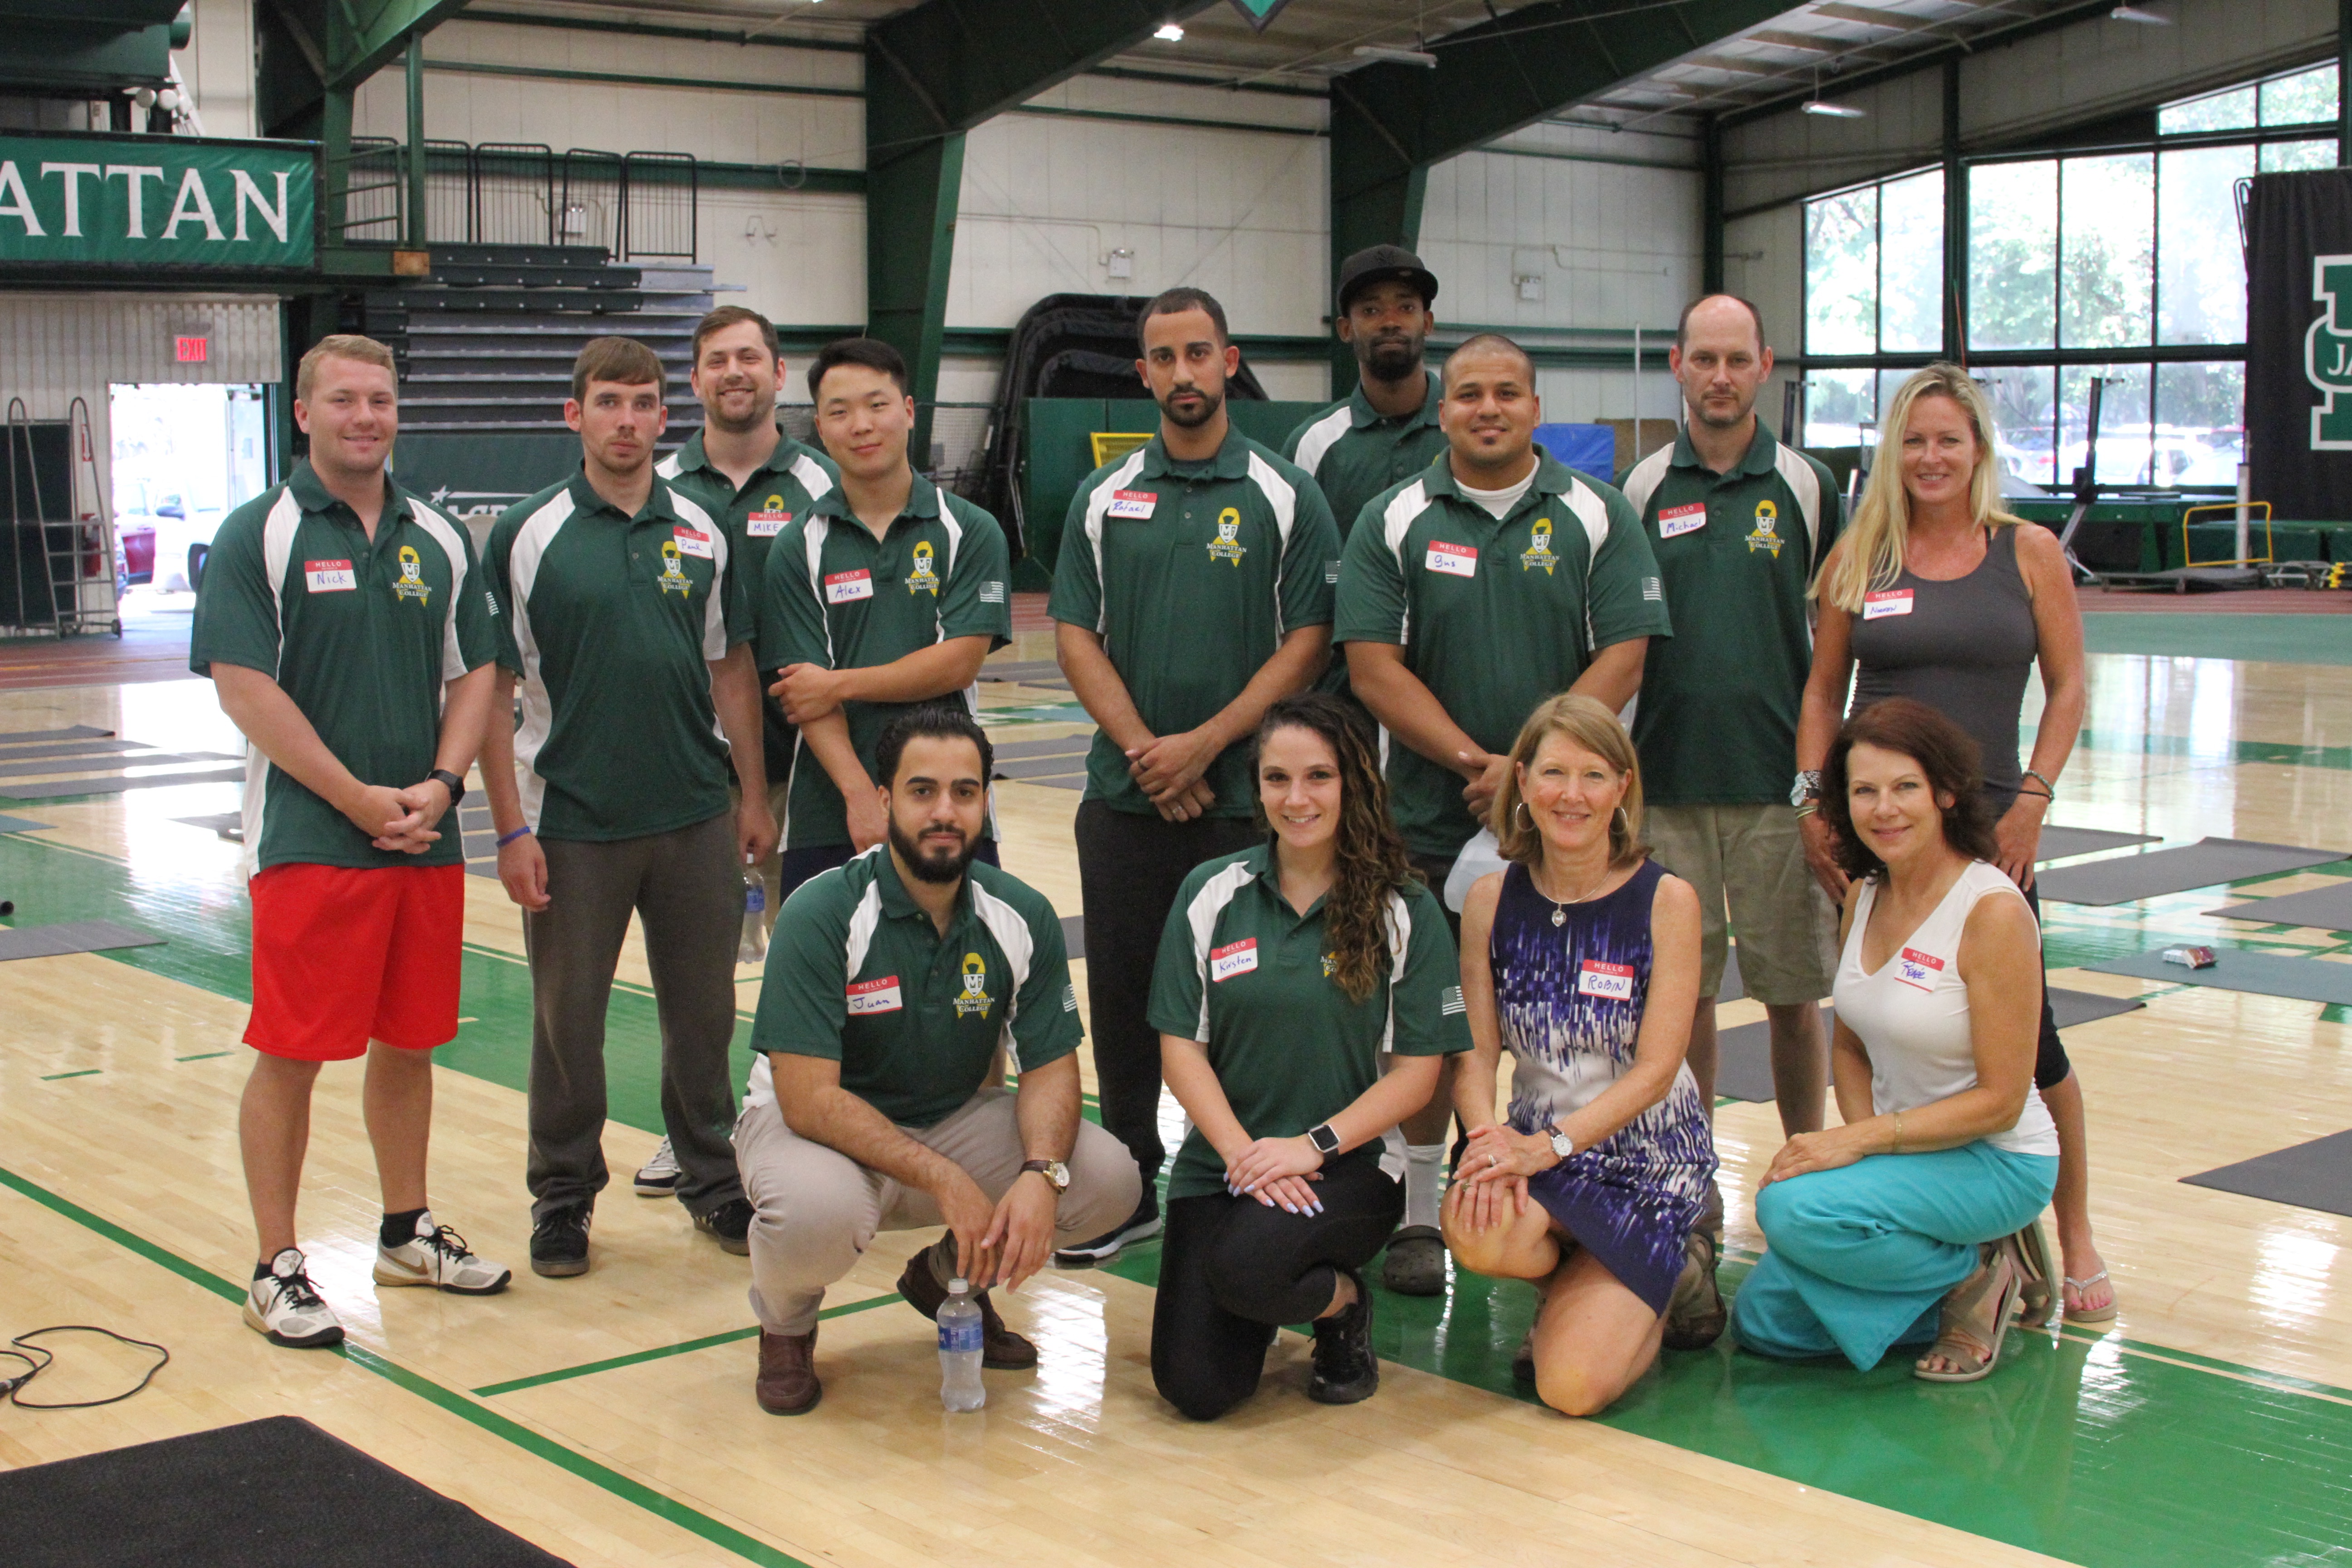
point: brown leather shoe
(788, 1385)
(1001, 1350)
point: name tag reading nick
(843, 587)
(1887, 602)
(1133, 503)
(1453, 559)
(1918, 970)
(1677, 520)
(874, 996)
(1234, 958)
(691, 540)
(766, 524)
(1611, 982)
(329, 576)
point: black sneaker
(1141, 1225)
(559, 1243)
(1346, 1370)
(731, 1222)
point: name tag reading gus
(1887, 602)
(874, 996)
(691, 540)
(1133, 503)
(766, 524)
(1611, 982)
(329, 576)
(1918, 970)
(1453, 559)
(1677, 520)
(843, 588)
(1234, 958)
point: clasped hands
(399, 821)
(1001, 1243)
(1170, 768)
(1279, 1172)
(1490, 1180)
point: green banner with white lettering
(157, 201)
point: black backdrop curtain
(2299, 343)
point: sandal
(1696, 1314)
(1963, 1337)
(2034, 1295)
(2106, 1314)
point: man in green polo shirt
(626, 622)
(890, 591)
(1385, 430)
(1470, 594)
(1193, 590)
(1740, 523)
(892, 982)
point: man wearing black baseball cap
(1385, 430)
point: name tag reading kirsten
(1234, 958)
(691, 540)
(329, 576)
(1887, 602)
(874, 996)
(1611, 982)
(1918, 970)
(1452, 560)
(1677, 520)
(1133, 503)
(843, 587)
(766, 524)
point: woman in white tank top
(1919, 1220)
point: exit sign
(191, 351)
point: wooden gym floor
(610, 1419)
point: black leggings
(1233, 1270)
(2050, 1063)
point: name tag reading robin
(1133, 503)
(766, 524)
(1452, 560)
(1234, 958)
(1611, 982)
(874, 996)
(691, 540)
(1677, 520)
(1887, 602)
(329, 576)
(1918, 970)
(846, 588)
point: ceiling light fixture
(2139, 14)
(1823, 107)
(1169, 32)
(1395, 56)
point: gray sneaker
(658, 1178)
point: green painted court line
(708, 1340)
(201, 1057)
(78, 1072)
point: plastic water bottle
(960, 1350)
(754, 946)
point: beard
(946, 865)
(1389, 358)
(759, 416)
(1210, 402)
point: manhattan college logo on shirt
(1227, 546)
(411, 585)
(975, 997)
(1767, 530)
(672, 574)
(1539, 551)
(922, 579)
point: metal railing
(632, 205)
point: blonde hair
(1588, 724)
(1871, 554)
(341, 345)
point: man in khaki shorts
(1740, 523)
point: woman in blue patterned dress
(1592, 1184)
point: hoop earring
(1521, 810)
(1628, 821)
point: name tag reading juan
(874, 996)
(766, 524)
(1677, 520)
(1453, 559)
(842, 587)
(1918, 970)
(1234, 958)
(1611, 982)
(1887, 602)
(329, 576)
(691, 540)
(1133, 503)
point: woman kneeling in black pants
(1284, 973)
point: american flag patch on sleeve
(1449, 1001)
(1653, 589)
(992, 591)
(1330, 571)
(1069, 998)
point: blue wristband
(507, 838)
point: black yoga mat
(2057, 843)
(71, 936)
(2314, 1175)
(2159, 871)
(70, 732)
(2263, 973)
(67, 789)
(1744, 1055)
(20, 825)
(2321, 908)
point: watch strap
(450, 782)
(1045, 1169)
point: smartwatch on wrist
(1056, 1174)
(1326, 1139)
(450, 782)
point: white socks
(1422, 1190)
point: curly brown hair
(1946, 753)
(1372, 862)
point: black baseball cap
(1380, 263)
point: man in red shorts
(349, 635)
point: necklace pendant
(1559, 916)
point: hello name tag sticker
(329, 576)
(1677, 520)
(1611, 982)
(1918, 970)
(766, 524)
(874, 996)
(846, 588)
(691, 540)
(1887, 602)
(1133, 503)
(1452, 560)
(1234, 958)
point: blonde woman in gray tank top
(1936, 594)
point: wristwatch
(1562, 1145)
(1806, 787)
(1326, 1139)
(452, 783)
(1056, 1174)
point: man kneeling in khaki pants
(891, 983)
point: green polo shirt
(779, 493)
(857, 974)
(612, 622)
(836, 595)
(1354, 452)
(1717, 723)
(1494, 615)
(362, 635)
(1246, 974)
(1193, 573)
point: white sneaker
(658, 1178)
(284, 1308)
(438, 1257)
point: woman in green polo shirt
(1284, 974)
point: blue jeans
(1859, 1257)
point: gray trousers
(815, 1209)
(686, 891)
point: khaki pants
(816, 1210)
(1751, 858)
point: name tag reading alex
(1918, 970)
(1677, 520)
(874, 996)
(843, 587)
(1133, 503)
(1453, 559)
(1234, 958)
(691, 540)
(1611, 982)
(766, 524)
(329, 576)
(1887, 602)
